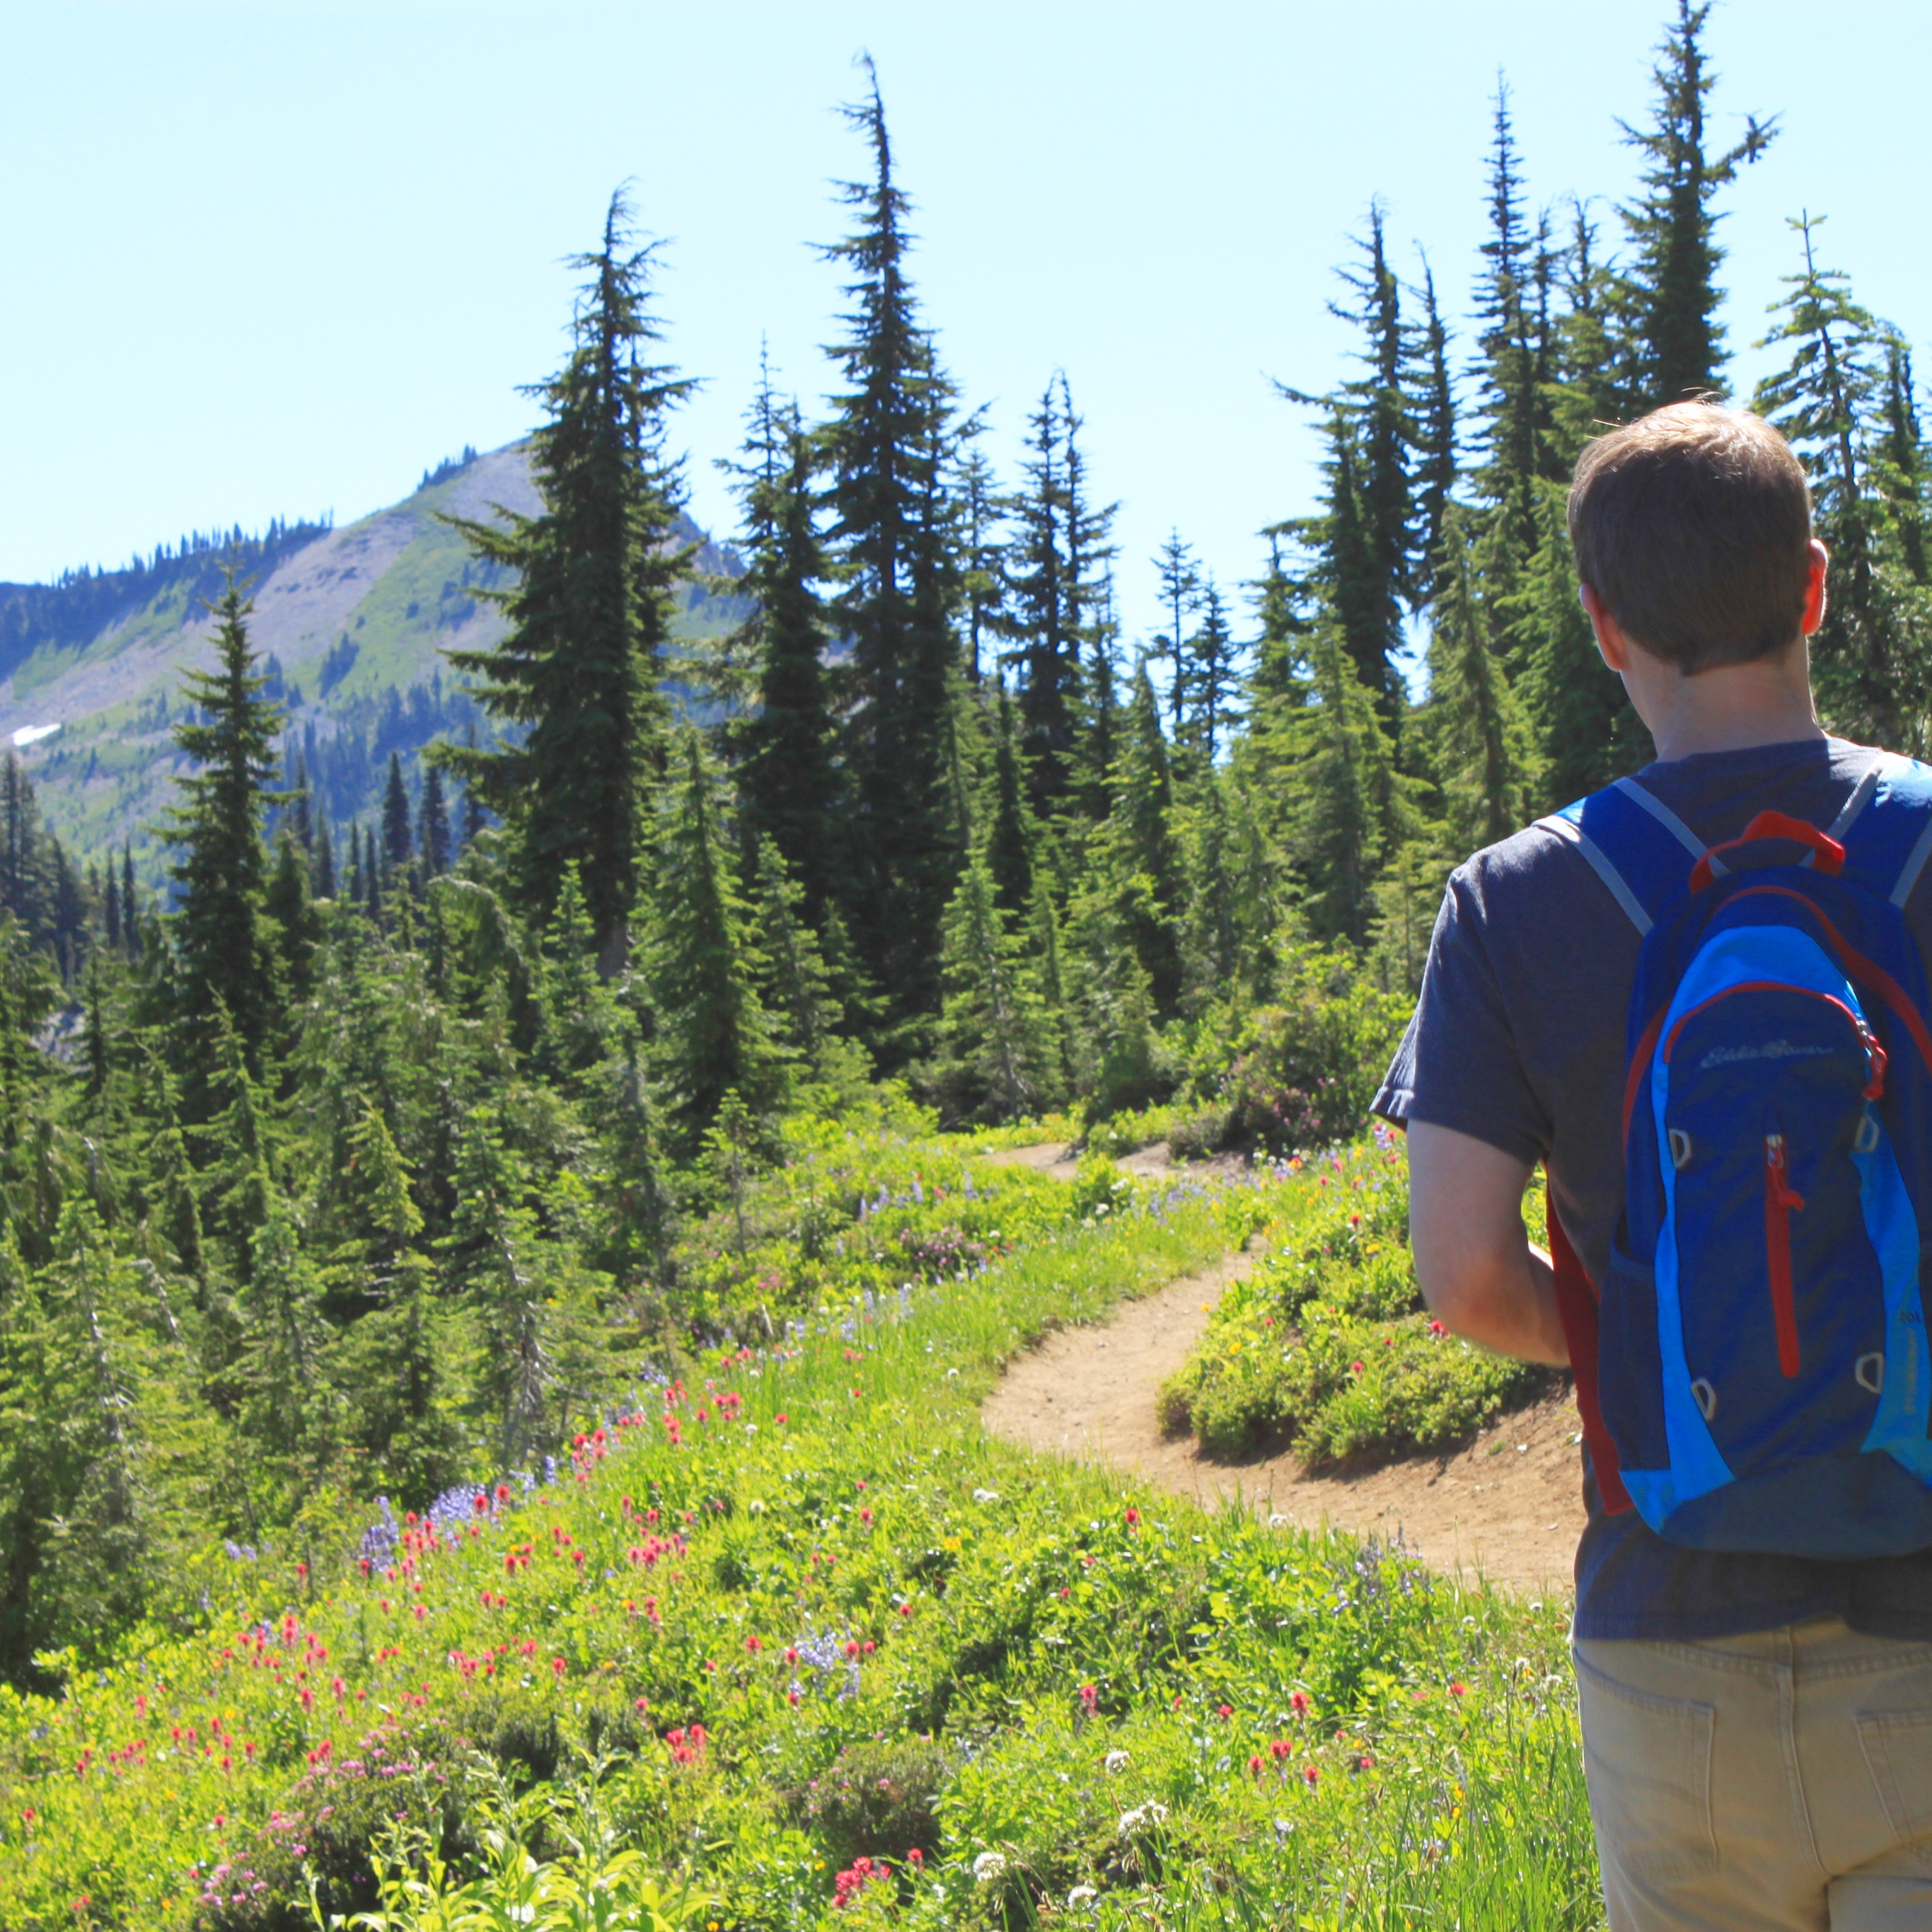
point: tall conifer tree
(1672, 294)
(227, 961)
(788, 776)
(888, 443)
(590, 611)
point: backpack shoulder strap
(1640, 849)
(1886, 828)
(1578, 1308)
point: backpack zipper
(1780, 1201)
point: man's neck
(1731, 708)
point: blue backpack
(1761, 1369)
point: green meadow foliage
(1325, 1345)
(785, 1640)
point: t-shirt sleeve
(1459, 1065)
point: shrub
(875, 1799)
(1300, 1075)
(1327, 1344)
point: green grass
(1064, 1687)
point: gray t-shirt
(1518, 1040)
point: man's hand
(1479, 1274)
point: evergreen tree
(1009, 834)
(1090, 552)
(394, 1366)
(398, 842)
(302, 811)
(227, 973)
(796, 989)
(1431, 412)
(1214, 676)
(1042, 601)
(788, 777)
(579, 1016)
(1143, 858)
(1900, 459)
(983, 556)
(374, 885)
(1275, 678)
(25, 887)
(1584, 731)
(888, 444)
(1375, 409)
(1871, 654)
(298, 931)
(1180, 575)
(1340, 778)
(1356, 591)
(130, 905)
(997, 1048)
(1480, 737)
(1671, 287)
(494, 1255)
(288, 1411)
(90, 1426)
(1511, 403)
(590, 611)
(434, 825)
(714, 1036)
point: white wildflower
(988, 1866)
(1116, 1760)
(1080, 1894)
(985, 1496)
(1152, 1813)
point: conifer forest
(493, 1294)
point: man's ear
(1814, 589)
(1610, 640)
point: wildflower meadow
(789, 1641)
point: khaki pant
(1781, 1780)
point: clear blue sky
(269, 259)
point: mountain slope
(351, 624)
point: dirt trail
(1509, 1507)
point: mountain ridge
(351, 624)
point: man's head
(1692, 527)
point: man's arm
(1479, 1274)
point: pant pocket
(1647, 1760)
(1897, 1748)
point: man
(1757, 1730)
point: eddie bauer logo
(1770, 1049)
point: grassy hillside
(351, 623)
(817, 1651)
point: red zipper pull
(1780, 1202)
